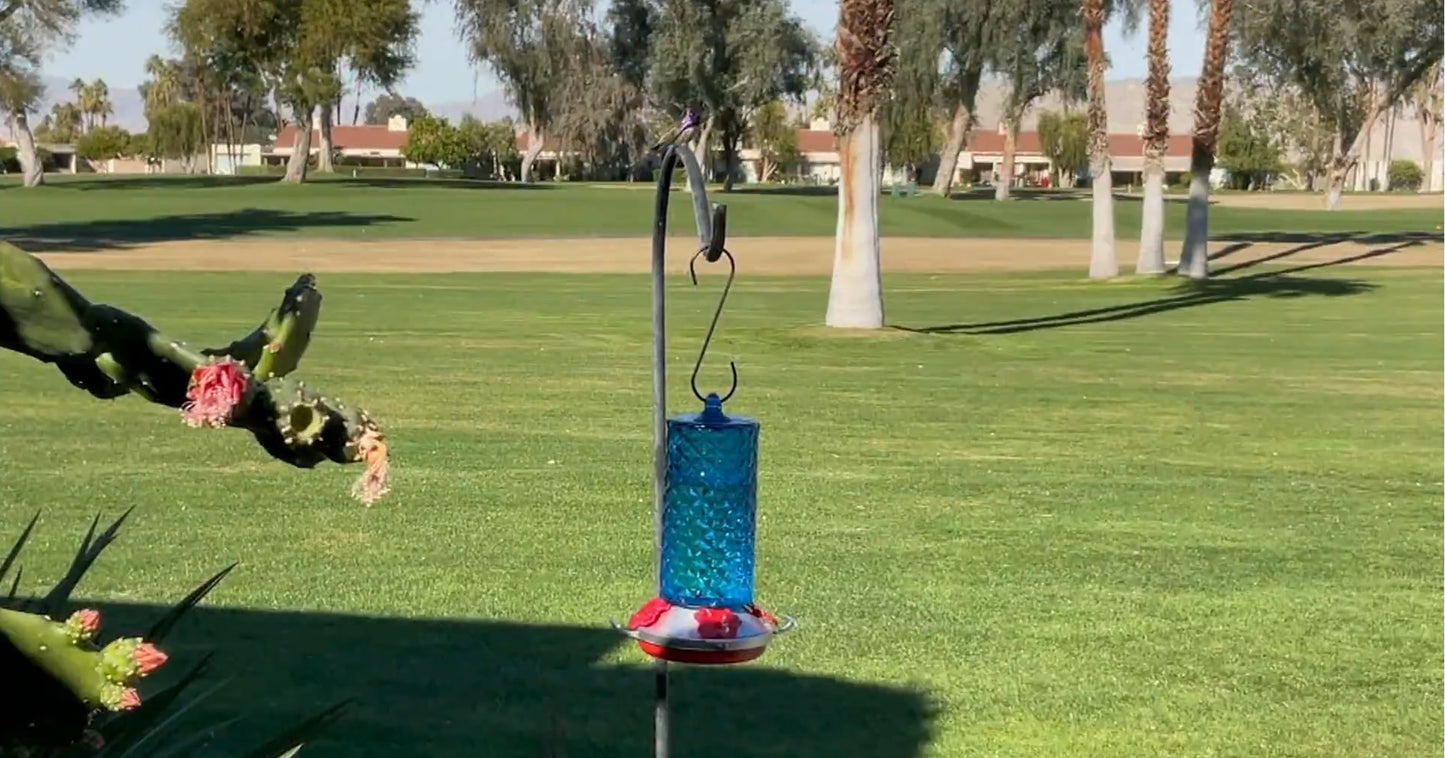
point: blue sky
(116, 49)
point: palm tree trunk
(1156, 135)
(31, 169)
(1194, 258)
(855, 298)
(1103, 258)
(865, 57)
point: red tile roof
(367, 137)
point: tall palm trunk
(1194, 258)
(300, 160)
(957, 133)
(31, 169)
(1103, 259)
(1156, 142)
(865, 58)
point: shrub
(1405, 176)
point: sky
(115, 49)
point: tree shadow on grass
(1281, 283)
(102, 182)
(109, 234)
(425, 687)
(94, 182)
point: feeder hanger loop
(692, 271)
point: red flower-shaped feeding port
(717, 624)
(214, 392)
(649, 614)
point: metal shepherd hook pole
(711, 231)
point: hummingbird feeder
(705, 486)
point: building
(362, 145)
(977, 163)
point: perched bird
(690, 122)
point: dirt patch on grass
(756, 255)
(1304, 201)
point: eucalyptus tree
(1427, 98)
(527, 44)
(20, 92)
(1036, 50)
(909, 115)
(962, 36)
(388, 104)
(1354, 61)
(298, 47)
(598, 108)
(29, 29)
(865, 70)
(729, 58)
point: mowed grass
(160, 208)
(1207, 526)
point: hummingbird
(690, 122)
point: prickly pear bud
(129, 658)
(214, 393)
(118, 697)
(82, 625)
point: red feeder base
(705, 636)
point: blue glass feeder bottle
(710, 508)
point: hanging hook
(692, 271)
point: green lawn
(1173, 523)
(155, 208)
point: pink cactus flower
(129, 699)
(88, 619)
(718, 624)
(648, 614)
(148, 657)
(215, 391)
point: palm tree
(1103, 262)
(1194, 259)
(101, 105)
(1156, 141)
(865, 62)
(163, 87)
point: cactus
(110, 352)
(99, 677)
(82, 698)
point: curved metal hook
(692, 271)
